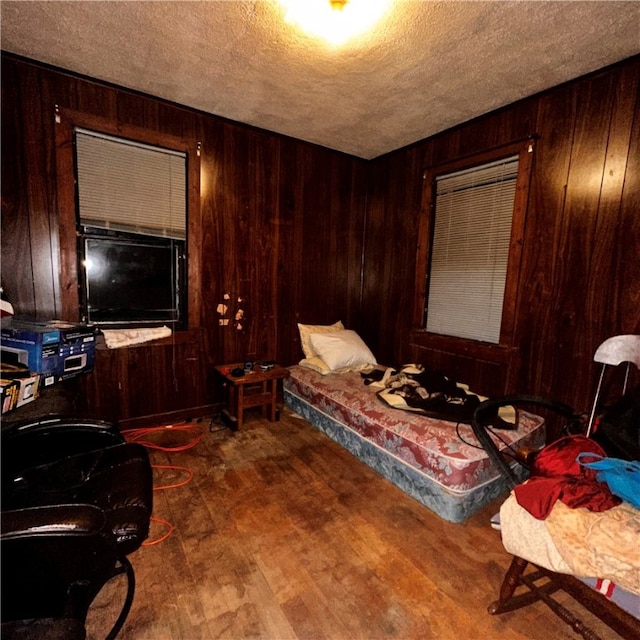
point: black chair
(76, 501)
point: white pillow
(342, 349)
(307, 329)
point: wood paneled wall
(280, 227)
(580, 275)
(306, 234)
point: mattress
(437, 462)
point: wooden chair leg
(509, 586)
(510, 601)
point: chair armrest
(37, 442)
(53, 520)
(57, 424)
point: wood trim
(512, 288)
(180, 415)
(194, 235)
(490, 154)
(131, 132)
(66, 120)
(431, 347)
(425, 231)
(66, 190)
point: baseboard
(181, 415)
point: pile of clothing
(414, 388)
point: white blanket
(577, 541)
(115, 338)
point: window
(468, 261)
(183, 239)
(470, 250)
(132, 214)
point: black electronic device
(132, 279)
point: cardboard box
(29, 389)
(10, 391)
(17, 392)
(56, 349)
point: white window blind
(470, 250)
(127, 186)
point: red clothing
(555, 475)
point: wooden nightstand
(255, 388)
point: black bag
(618, 427)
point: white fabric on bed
(528, 538)
(577, 541)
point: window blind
(128, 186)
(470, 250)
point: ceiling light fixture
(336, 21)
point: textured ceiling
(426, 67)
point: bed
(439, 463)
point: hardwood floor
(282, 534)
